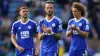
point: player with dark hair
(50, 31)
(78, 29)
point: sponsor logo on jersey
(24, 34)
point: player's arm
(69, 33)
(37, 44)
(36, 35)
(85, 31)
(85, 34)
(58, 36)
(41, 36)
(13, 39)
(43, 31)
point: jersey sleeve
(86, 26)
(36, 29)
(68, 28)
(60, 26)
(13, 30)
(39, 26)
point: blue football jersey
(78, 41)
(49, 43)
(24, 33)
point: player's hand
(21, 49)
(44, 28)
(73, 27)
(37, 52)
(49, 30)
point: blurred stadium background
(9, 13)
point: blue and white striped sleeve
(13, 30)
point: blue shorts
(49, 54)
(26, 52)
(78, 53)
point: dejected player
(78, 28)
(50, 32)
(22, 34)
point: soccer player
(50, 31)
(22, 34)
(78, 28)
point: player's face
(76, 12)
(24, 13)
(49, 9)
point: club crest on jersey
(53, 25)
(80, 24)
(29, 27)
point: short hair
(50, 2)
(80, 7)
(23, 7)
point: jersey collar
(78, 20)
(25, 22)
(50, 20)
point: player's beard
(25, 16)
(50, 14)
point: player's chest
(50, 24)
(79, 25)
(24, 28)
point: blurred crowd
(9, 13)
